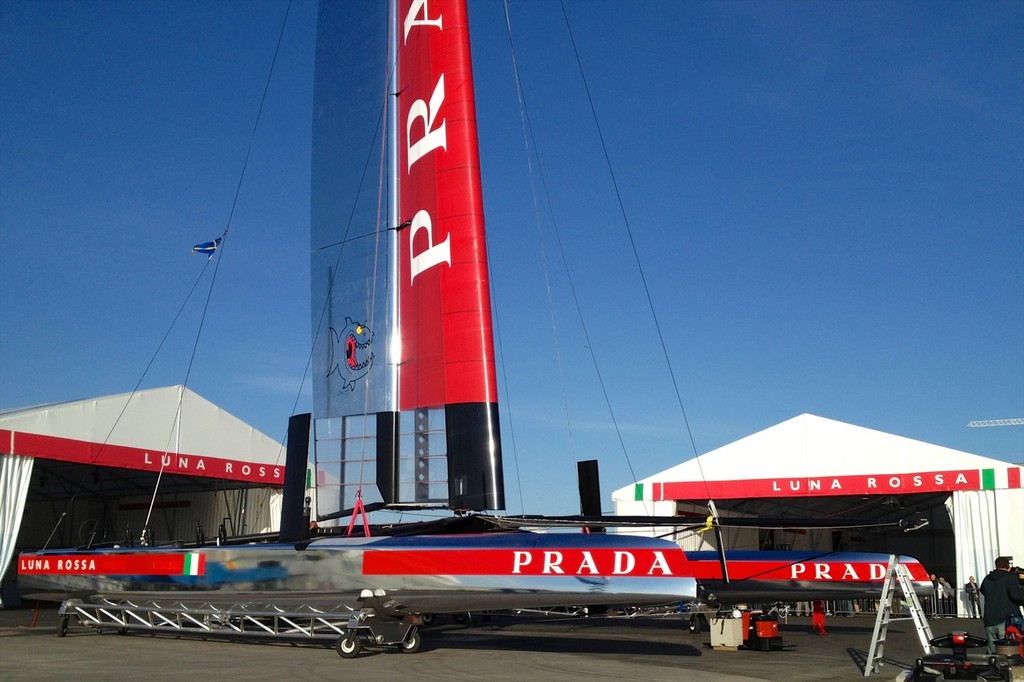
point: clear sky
(827, 200)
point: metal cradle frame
(239, 620)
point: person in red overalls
(818, 617)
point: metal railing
(956, 605)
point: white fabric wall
(15, 474)
(273, 524)
(209, 508)
(643, 508)
(986, 524)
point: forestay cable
(632, 243)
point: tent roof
(810, 456)
(171, 429)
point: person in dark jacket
(1003, 597)
(971, 592)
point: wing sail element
(405, 390)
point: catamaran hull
(759, 576)
(439, 574)
(423, 574)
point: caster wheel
(412, 642)
(348, 646)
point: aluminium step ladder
(896, 573)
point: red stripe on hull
(813, 571)
(140, 564)
(640, 562)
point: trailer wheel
(694, 625)
(412, 642)
(348, 646)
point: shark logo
(351, 356)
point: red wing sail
(405, 391)
(444, 318)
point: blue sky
(827, 199)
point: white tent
(168, 432)
(170, 429)
(812, 466)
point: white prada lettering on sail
(434, 136)
(413, 17)
(434, 254)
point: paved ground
(506, 648)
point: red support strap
(358, 509)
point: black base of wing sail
(387, 456)
(590, 487)
(590, 491)
(475, 478)
(294, 521)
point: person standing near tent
(1003, 597)
(971, 592)
(947, 602)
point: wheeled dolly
(380, 622)
(959, 665)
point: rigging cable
(231, 213)
(528, 137)
(636, 255)
(508, 413)
(195, 284)
(152, 359)
(238, 188)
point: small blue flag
(207, 247)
